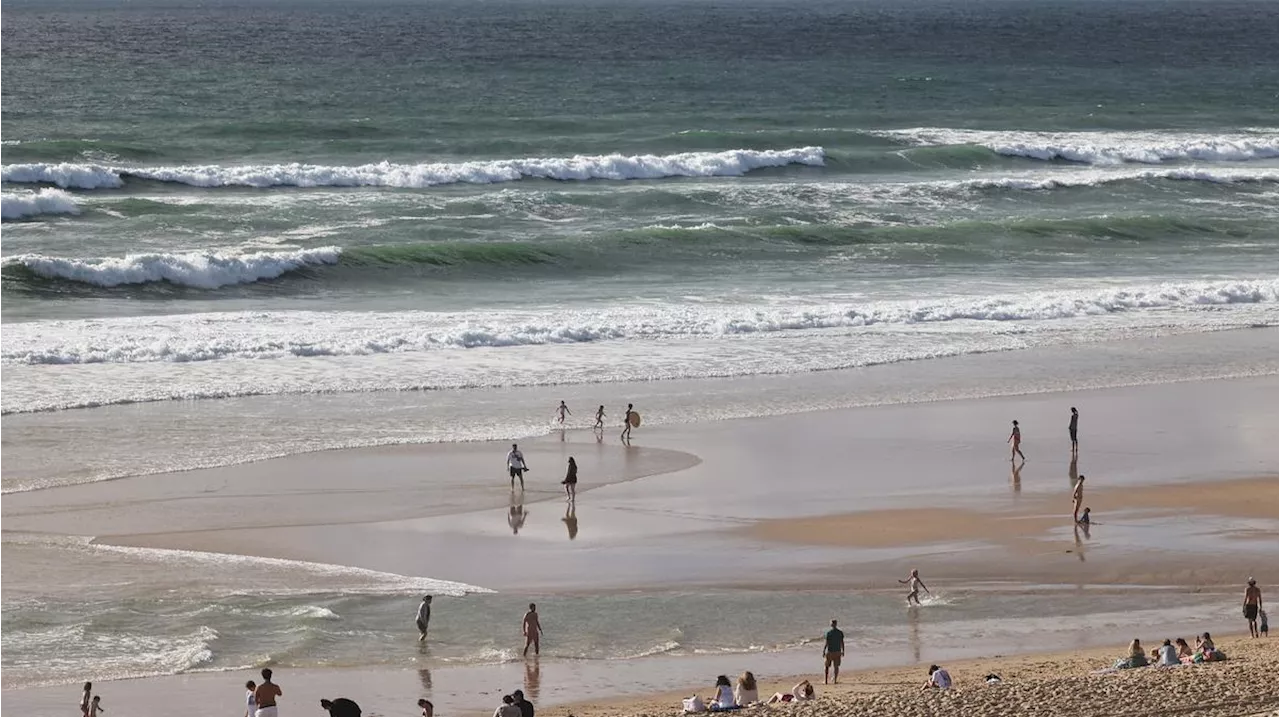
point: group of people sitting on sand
(1171, 654)
(729, 696)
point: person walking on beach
(86, 698)
(1016, 439)
(265, 695)
(599, 419)
(914, 583)
(423, 619)
(626, 424)
(95, 707)
(1077, 499)
(250, 702)
(832, 651)
(1071, 429)
(571, 481)
(562, 411)
(516, 466)
(532, 629)
(1252, 603)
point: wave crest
(1100, 148)
(202, 270)
(385, 174)
(21, 205)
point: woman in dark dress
(571, 480)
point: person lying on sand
(802, 691)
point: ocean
(286, 223)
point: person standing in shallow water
(532, 629)
(1016, 439)
(562, 411)
(1071, 429)
(423, 620)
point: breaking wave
(203, 270)
(385, 174)
(24, 205)
(1100, 148)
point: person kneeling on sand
(938, 678)
(802, 691)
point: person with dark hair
(428, 709)
(571, 481)
(250, 702)
(1252, 603)
(516, 466)
(724, 699)
(423, 619)
(1016, 439)
(832, 652)
(1071, 429)
(86, 698)
(938, 678)
(532, 629)
(265, 695)
(341, 707)
(507, 708)
(526, 707)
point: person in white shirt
(724, 695)
(516, 466)
(746, 693)
(250, 702)
(938, 678)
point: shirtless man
(532, 630)
(266, 694)
(1016, 439)
(626, 424)
(1077, 499)
(1252, 603)
(424, 618)
(562, 411)
(914, 583)
(599, 418)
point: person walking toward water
(1016, 439)
(532, 629)
(914, 583)
(832, 651)
(571, 481)
(599, 418)
(250, 702)
(516, 466)
(95, 707)
(1252, 603)
(1071, 429)
(1077, 499)
(626, 424)
(562, 411)
(423, 619)
(265, 695)
(86, 698)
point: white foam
(386, 174)
(370, 581)
(1094, 178)
(20, 205)
(1101, 147)
(203, 270)
(291, 334)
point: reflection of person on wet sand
(1073, 473)
(914, 583)
(516, 516)
(1077, 499)
(1015, 476)
(1080, 543)
(532, 678)
(570, 519)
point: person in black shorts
(832, 651)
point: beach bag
(693, 705)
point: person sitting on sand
(507, 708)
(1206, 651)
(801, 692)
(938, 679)
(1137, 656)
(340, 707)
(1185, 653)
(723, 699)
(745, 692)
(1167, 655)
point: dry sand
(1058, 685)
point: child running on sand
(599, 418)
(562, 411)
